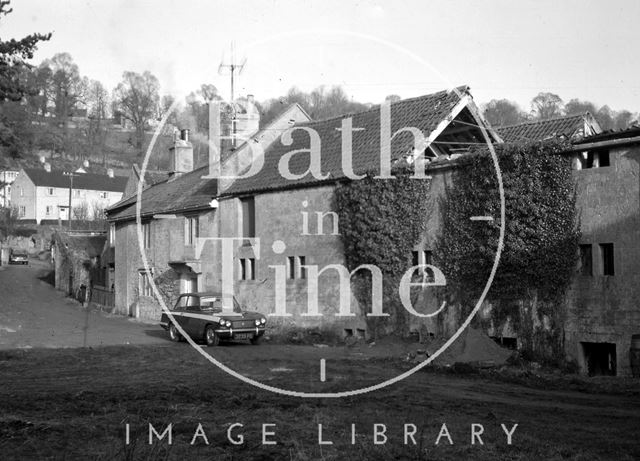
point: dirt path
(34, 314)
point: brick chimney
(182, 154)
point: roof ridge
(553, 119)
(376, 107)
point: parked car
(18, 257)
(204, 316)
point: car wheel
(173, 333)
(210, 336)
(255, 340)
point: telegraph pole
(71, 175)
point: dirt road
(34, 314)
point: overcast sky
(502, 49)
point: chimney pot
(184, 135)
(110, 173)
(47, 167)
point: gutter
(607, 143)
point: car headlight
(263, 320)
(227, 323)
(257, 322)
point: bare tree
(547, 105)
(502, 112)
(137, 99)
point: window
(145, 283)
(191, 231)
(50, 191)
(247, 269)
(302, 271)
(586, 264)
(146, 235)
(112, 234)
(423, 257)
(606, 251)
(291, 267)
(23, 211)
(48, 210)
(595, 159)
(104, 194)
(295, 269)
(248, 217)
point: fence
(102, 296)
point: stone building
(603, 308)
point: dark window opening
(302, 260)
(509, 343)
(603, 157)
(606, 250)
(291, 267)
(415, 258)
(248, 217)
(599, 358)
(586, 260)
(348, 332)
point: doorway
(599, 358)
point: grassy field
(76, 403)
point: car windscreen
(215, 304)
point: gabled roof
(568, 127)
(425, 113)
(180, 194)
(86, 181)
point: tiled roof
(424, 113)
(86, 181)
(175, 195)
(568, 127)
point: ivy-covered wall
(540, 249)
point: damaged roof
(424, 113)
(90, 245)
(568, 127)
(178, 194)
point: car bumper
(240, 333)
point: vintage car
(204, 316)
(18, 257)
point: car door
(178, 311)
(193, 322)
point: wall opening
(508, 342)
(599, 358)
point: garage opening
(599, 358)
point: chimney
(47, 167)
(110, 173)
(182, 154)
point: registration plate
(243, 336)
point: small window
(248, 217)
(145, 283)
(48, 210)
(21, 191)
(291, 267)
(50, 191)
(415, 258)
(606, 251)
(603, 157)
(23, 211)
(104, 195)
(595, 159)
(302, 271)
(247, 268)
(586, 262)
(191, 230)
(146, 235)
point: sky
(502, 49)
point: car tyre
(210, 336)
(173, 334)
